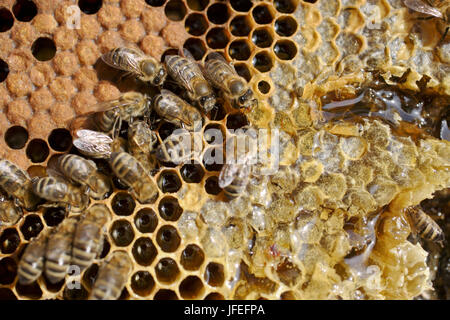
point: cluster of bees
(72, 180)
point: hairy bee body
(424, 225)
(112, 277)
(179, 147)
(187, 73)
(59, 191)
(175, 110)
(108, 116)
(17, 184)
(224, 77)
(9, 212)
(85, 172)
(141, 140)
(129, 170)
(32, 263)
(432, 8)
(135, 62)
(233, 179)
(88, 238)
(59, 249)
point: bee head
(246, 101)
(207, 102)
(160, 77)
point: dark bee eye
(157, 80)
(203, 100)
(242, 99)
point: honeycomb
(328, 225)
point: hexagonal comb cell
(217, 38)
(144, 251)
(263, 87)
(6, 20)
(60, 140)
(9, 241)
(37, 150)
(175, 10)
(285, 6)
(123, 204)
(191, 287)
(239, 50)
(25, 10)
(213, 134)
(262, 37)
(240, 26)
(146, 220)
(192, 173)
(285, 49)
(212, 185)
(54, 216)
(169, 209)
(241, 5)
(192, 257)
(169, 181)
(218, 13)
(8, 270)
(142, 283)
(196, 47)
(196, 24)
(122, 233)
(214, 296)
(31, 227)
(262, 14)
(16, 137)
(32, 291)
(285, 26)
(214, 274)
(167, 270)
(43, 49)
(213, 159)
(168, 238)
(263, 61)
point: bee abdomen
(56, 268)
(233, 190)
(105, 289)
(86, 246)
(30, 270)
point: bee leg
(444, 35)
(124, 76)
(115, 131)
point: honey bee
(9, 212)
(224, 77)
(112, 277)
(141, 140)
(179, 147)
(432, 8)
(233, 179)
(61, 191)
(17, 184)
(177, 111)
(186, 72)
(88, 239)
(136, 63)
(32, 263)
(98, 145)
(59, 250)
(108, 116)
(130, 171)
(424, 225)
(85, 172)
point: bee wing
(129, 60)
(228, 174)
(217, 56)
(93, 144)
(194, 68)
(187, 54)
(423, 7)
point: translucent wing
(217, 56)
(423, 7)
(93, 144)
(178, 73)
(228, 173)
(129, 59)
